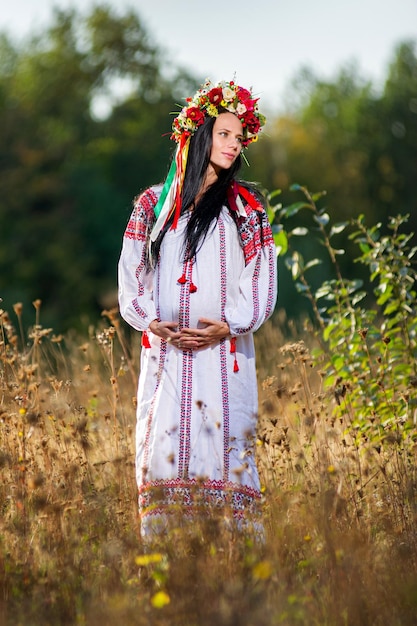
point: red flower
(251, 122)
(194, 114)
(244, 94)
(245, 97)
(215, 95)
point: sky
(262, 43)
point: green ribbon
(168, 182)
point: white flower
(240, 109)
(228, 94)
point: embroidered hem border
(193, 495)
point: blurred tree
(388, 131)
(316, 144)
(358, 144)
(67, 176)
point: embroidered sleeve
(135, 281)
(254, 231)
(258, 282)
(142, 216)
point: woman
(197, 275)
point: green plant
(366, 339)
(369, 351)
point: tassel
(233, 351)
(193, 287)
(183, 279)
(145, 340)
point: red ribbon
(236, 189)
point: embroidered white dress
(197, 409)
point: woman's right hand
(165, 330)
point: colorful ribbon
(170, 198)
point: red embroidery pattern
(150, 416)
(188, 397)
(249, 229)
(161, 365)
(255, 298)
(223, 353)
(137, 229)
(272, 259)
(186, 387)
(136, 306)
(165, 496)
(250, 235)
(142, 216)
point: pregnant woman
(197, 276)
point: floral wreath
(211, 100)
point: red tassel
(145, 340)
(233, 351)
(182, 279)
(193, 288)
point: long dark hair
(214, 198)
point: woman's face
(227, 141)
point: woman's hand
(212, 332)
(191, 338)
(165, 330)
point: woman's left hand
(212, 332)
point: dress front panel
(197, 409)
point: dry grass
(340, 515)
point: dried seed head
(18, 308)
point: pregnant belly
(187, 308)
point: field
(339, 511)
